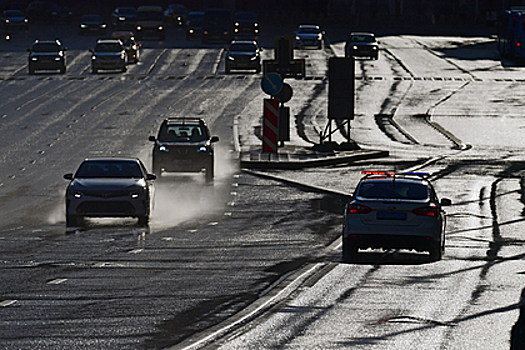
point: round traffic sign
(285, 94)
(272, 83)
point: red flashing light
(377, 172)
(431, 210)
(518, 44)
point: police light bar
(377, 172)
(417, 173)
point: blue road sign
(272, 83)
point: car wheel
(94, 70)
(73, 220)
(63, 70)
(349, 250)
(436, 252)
(258, 69)
(31, 70)
(210, 173)
(143, 220)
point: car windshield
(126, 11)
(182, 133)
(108, 47)
(92, 18)
(45, 47)
(108, 169)
(308, 30)
(242, 47)
(392, 190)
(150, 16)
(245, 16)
(362, 38)
(13, 13)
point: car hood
(16, 19)
(363, 44)
(106, 184)
(107, 54)
(308, 36)
(184, 144)
(242, 53)
(45, 54)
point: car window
(45, 47)
(242, 47)
(183, 133)
(91, 18)
(393, 190)
(362, 38)
(113, 169)
(108, 48)
(308, 30)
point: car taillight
(430, 210)
(353, 208)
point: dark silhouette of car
(109, 187)
(131, 46)
(245, 25)
(362, 44)
(47, 55)
(194, 25)
(243, 55)
(184, 145)
(308, 35)
(394, 211)
(176, 14)
(217, 26)
(14, 20)
(109, 54)
(92, 24)
(49, 12)
(124, 18)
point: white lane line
(57, 281)
(6, 303)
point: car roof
(109, 41)
(122, 35)
(189, 121)
(244, 42)
(362, 33)
(313, 26)
(110, 159)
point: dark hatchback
(362, 44)
(243, 55)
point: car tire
(94, 70)
(436, 252)
(349, 250)
(209, 172)
(258, 69)
(143, 220)
(31, 70)
(63, 70)
(73, 220)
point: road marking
(57, 281)
(136, 251)
(6, 303)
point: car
(124, 18)
(245, 25)
(47, 55)
(150, 23)
(362, 44)
(14, 20)
(49, 12)
(92, 24)
(108, 54)
(184, 145)
(243, 55)
(308, 35)
(131, 46)
(109, 187)
(394, 211)
(217, 26)
(194, 24)
(176, 14)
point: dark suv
(184, 145)
(47, 55)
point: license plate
(391, 215)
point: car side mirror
(445, 202)
(151, 177)
(68, 176)
(152, 138)
(214, 139)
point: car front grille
(95, 207)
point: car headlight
(26, 20)
(160, 28)
(122, 18)
(237, 24)
(164, 148)
(75, 193)
(6, 21)
(83, 26)
(139, 28)
(374, 48)
(57, 58)
(320, 37)
(202, 149)
(254, 58)
(190, 31)
(298, 38)
(93, 58)
(236, 30)
(231, 58)
(34, 58)
(104, 25)
(256, 24)
(355, 47)
(134, 195)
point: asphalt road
(252, 246)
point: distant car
(124, 18)
(92, 24)
(243, 55)
(14, 20)
(150, 23)
(308, 36)
(109, 187)
(184, 145)
(176, 14)
(245, 25)
(47, 55)
(217, 26)
(362, 44)
(49, 12)
(392, 211)
(131, 46)
(108, 54)
(194, 25)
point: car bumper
(169, 163)
(99, 64)
(47, 65)
(91, 206)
